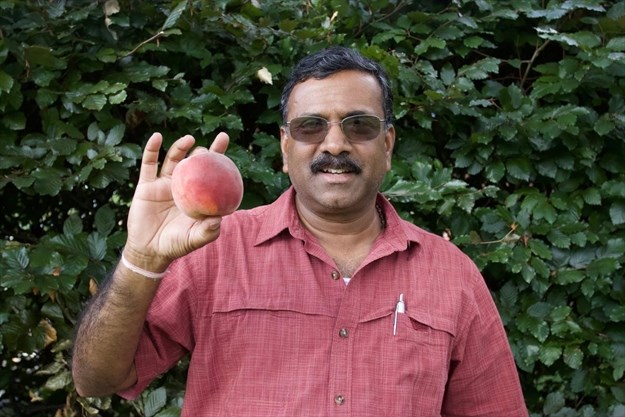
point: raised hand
(158, 232)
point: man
(322, 303)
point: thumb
(205, 231)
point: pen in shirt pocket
(400, 308)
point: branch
(537, 52)
(158, 35)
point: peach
(207, 184)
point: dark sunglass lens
(307, 128)
(361, 127)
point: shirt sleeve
(483, 379)
(167, 333)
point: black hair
(329, 61)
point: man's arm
(109, 331)
(108, 334)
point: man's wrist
(141, 271)
(150, 267)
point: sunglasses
(313, 129)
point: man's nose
(335, 140)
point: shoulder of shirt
(434, 244)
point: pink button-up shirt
(273, 331)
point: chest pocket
(418, 336)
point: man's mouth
(330, 164)
(335, 171)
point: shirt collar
(282, 215)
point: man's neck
(347, 239)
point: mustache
(341, 162)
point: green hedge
(510, 122)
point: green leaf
(573, 357)
(604, 125)
(602, 267)
(519, 168)
(59, 381)
(592, 196)
(72, 225)
(544, 210)
(549, 354)
(539, 310)
(174, 15)
(154, 401)
(104, 220)
(6, 82)
(115, 135)
(568, 276)
(617, 213)
(14, 121)
(553, 403)
(560, 313)
(17, 259)
(94, 102)
(540, 249)
(97, 246)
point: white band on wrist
(141, 271)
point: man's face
(320, 186)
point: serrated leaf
(95, 102)
(553, 403)
(174, 15)
(617, 213)
(544, 210)
(495, 171)
(14, 121)
(569, 276)
(115, 135)
(615, 312)
(560, 313)
(539, 310)
(17, 259)
(154, 402)
(59, 381)
(540, 249)
(104, 220)
(47, 181)
(549, 354)
(97, 246)
(519, 168)
(604, 125)
(447, 74)
(559, 239)
(6, 82)
(592, 196)
(602, 267)
(72, 225)
(573, 357)
(118, 98)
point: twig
(537, 51)
(158, 35)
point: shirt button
(343, 333)
(335, 275)
(339, 399)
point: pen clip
(400, 308)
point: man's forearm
(108, 334)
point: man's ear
(389, 144)
(284, 145)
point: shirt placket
(345, 327)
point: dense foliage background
(511, 127)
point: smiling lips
(330, 164)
